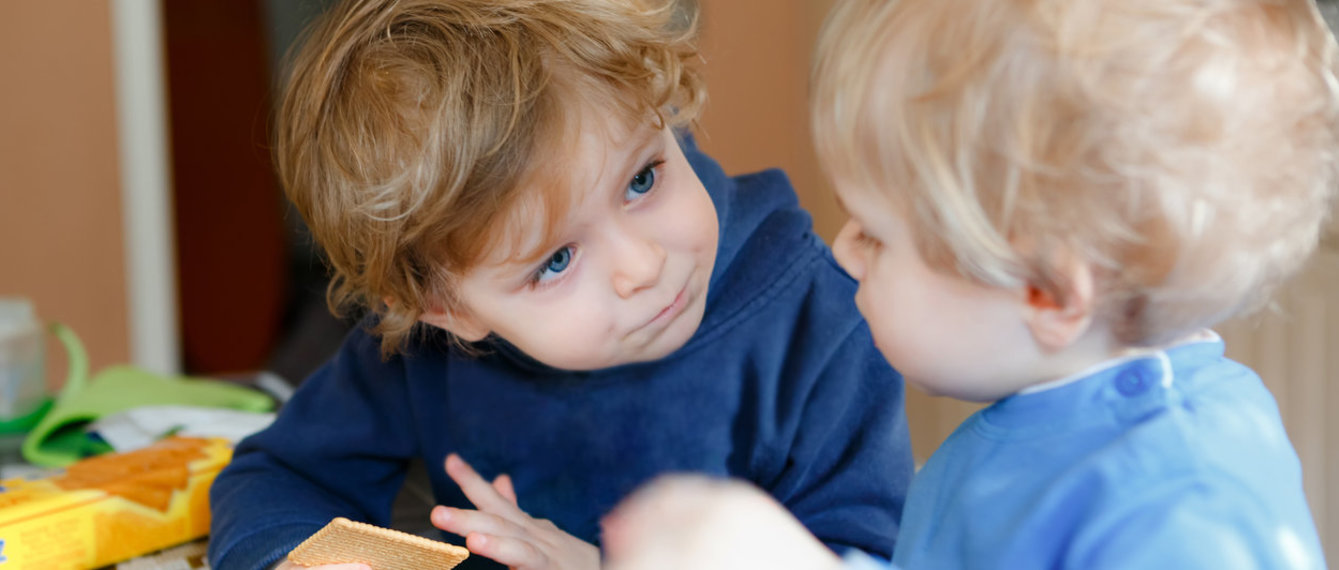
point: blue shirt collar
(1109, 393)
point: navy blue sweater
(781, 385)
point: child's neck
(1058, 367)
(1083, 359)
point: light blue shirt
(1168, 459)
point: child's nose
(845, 250)
(637, 265)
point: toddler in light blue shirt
(1051, 202)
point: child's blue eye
(556, 264)
(642, 183)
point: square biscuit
(344, 541)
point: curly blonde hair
(1186, 148)
(407, 126)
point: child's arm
(339, 447)
(500, 530)
(708, 524)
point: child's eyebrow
(647, 139)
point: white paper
(140, 427)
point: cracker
(344, 541)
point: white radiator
(1295, 349)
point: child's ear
(1059, 313)
(459, 323)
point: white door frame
(151, 273)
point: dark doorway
(251, 284)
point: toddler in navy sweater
(566, 297)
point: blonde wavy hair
(1186, 148)
(407, 127)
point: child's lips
(672, 310)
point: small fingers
(515, 553)
(502, 484)
(465, 522)
(484, 495)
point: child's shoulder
(1217, 432)
(361, 354)
(770, 266)
(761, 221)
(742, 200)
(1217, 468)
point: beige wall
(757, 68)
(60, 199)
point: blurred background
(138, 204)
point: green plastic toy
(59, 438)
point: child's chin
(654, 353)
(671, 342)
(927, 389)
(646, 354)
(963, 393)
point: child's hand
(286, 565)
(500, 530)
(696, 522)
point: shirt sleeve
(1216, 525)
(339, 447)
(849, 463)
